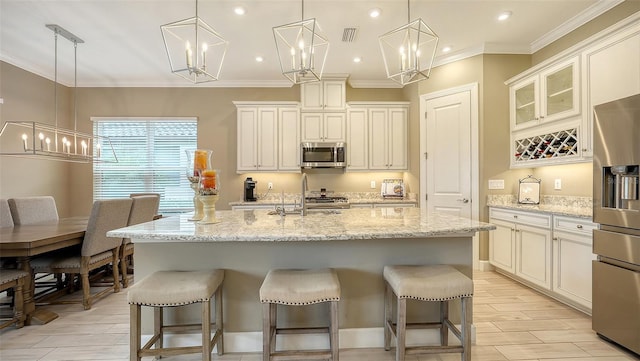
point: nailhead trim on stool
(172, 289)
(434, 283)
(297, 288)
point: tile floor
(513, 323)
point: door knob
(463, 200)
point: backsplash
(352, 196)
(551, 200)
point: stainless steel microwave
(323, 155)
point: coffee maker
(249, 186)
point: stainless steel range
(616, 207)
(325, 200)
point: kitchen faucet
(305, 187)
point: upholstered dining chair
(97, 249)
(6, 220)
(29, 210)
(132, 195)
(143, 209)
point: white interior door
(449, 171)
(449, 154)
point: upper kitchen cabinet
(611, 71)
(551, 104)
(545, 96)
(388, 141)
(268, 136)
(377, 136)
(323, 127)
(324, 95)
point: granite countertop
(348, 224)
(581, 207)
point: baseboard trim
(485, 266)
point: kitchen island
(358, 243)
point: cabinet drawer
(528, 218)
(574, 225)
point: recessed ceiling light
(446, 49)
(504, 16)
(357, 59)
(374, 13)
(259, 59)
(239, 10)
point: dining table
(25, 242)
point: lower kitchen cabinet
(572, 256)
(522, 245)
(550, 253)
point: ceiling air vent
(349, 34)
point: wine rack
(559, 144)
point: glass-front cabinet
(549, 95)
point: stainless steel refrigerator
(616, 207)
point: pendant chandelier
(37, 140)
(302, 50)
(195, 50)
(408, 51)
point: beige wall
(30, 97)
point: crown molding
(565, 28)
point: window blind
(151, 159)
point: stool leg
(135, 337)
(334, 341)
(274, 326)
(158, 326)
(266, 331)
(219, 328)
(401, 329)
(388, 305)
(206, 330)
(467, 317)
(444, 330)
(18, 303)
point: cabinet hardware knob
(555, 238)
(579, 226)
(584, 149)
(514, 216)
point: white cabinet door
(289, 139)
(572, 258)
(502, 245)
(312, 127)
(524, 98)
(323, 127)
(334, 94)
(398, 139)
(387, 138)
(378, 138)
(533, 254)
(267, 139)
(325, 95)
(334, 127)
(357, 140)
(606, 82)
(247, 136)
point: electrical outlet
(496, 183)
(270, 185)
(557, 185)
(373, 184)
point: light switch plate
(373, 184)
(496, 183)
(557, 185)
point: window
(151, 159)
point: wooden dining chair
(97, 250)
(29, 210)
(6, 220)
(143, 209)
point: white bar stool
(298, 288)
(434, 283)
(171, 289)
